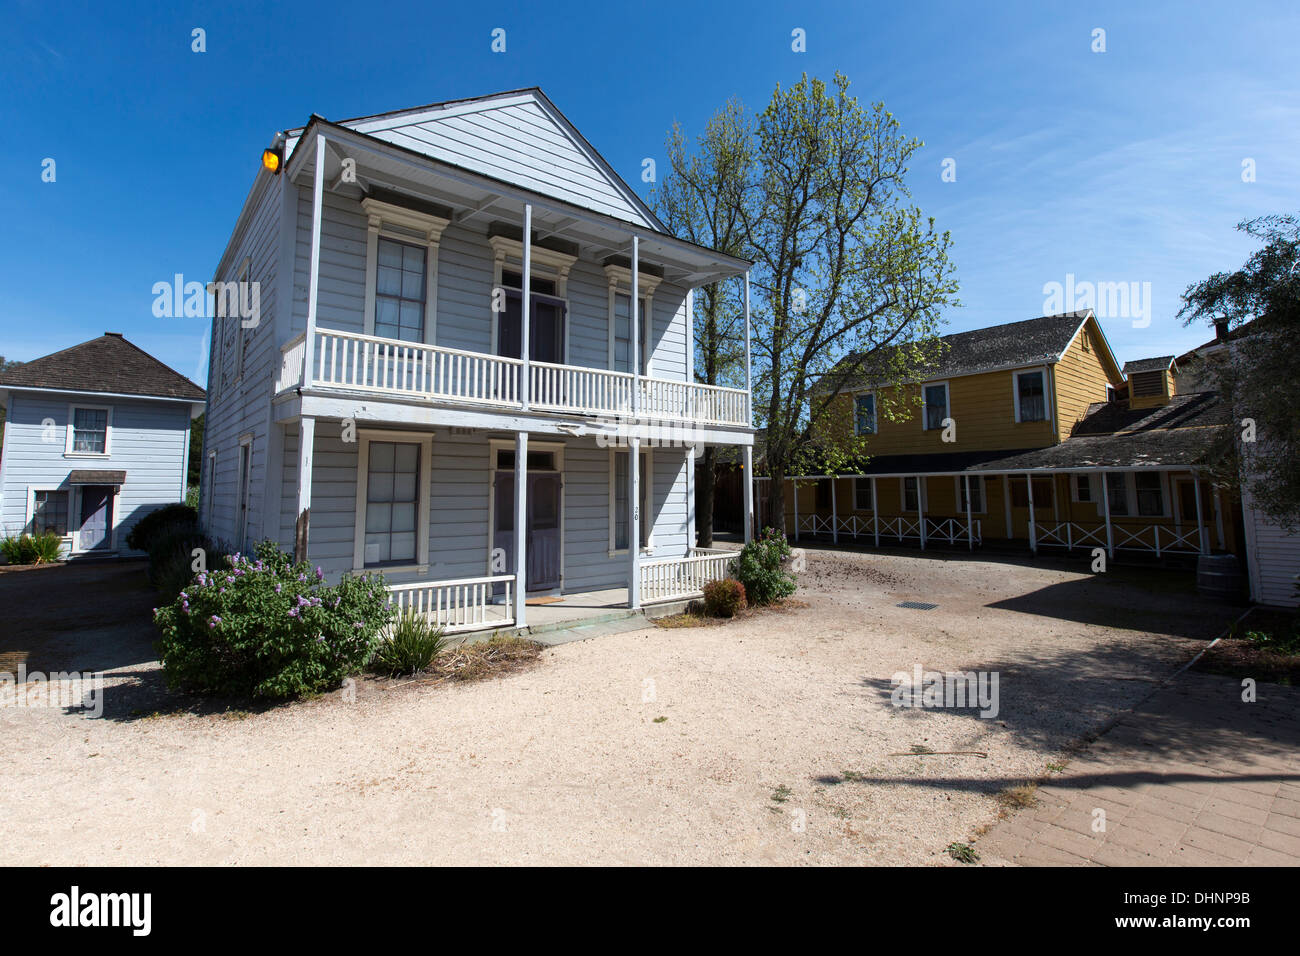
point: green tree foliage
(1258, 376)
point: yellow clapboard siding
(1080, 378)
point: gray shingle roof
(107, 364)
(1157, 364)
(1014, 344)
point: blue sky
(1122, 166)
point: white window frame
(649, 492)
(619, 279)
(423, 489)
(1015, 396)
(923, 491)
(947, 403)
(859, 483)
(1093, 488)
(544, 263)
(875, 413)
(212, 491)
(1166, 504)
(32, 491)
(413, 228)
(69, 439)
(958, 490)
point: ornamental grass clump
(265, 627)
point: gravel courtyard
(770, 740)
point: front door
(96, 518)
(543, 532)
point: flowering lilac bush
(265, 627)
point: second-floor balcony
(354, 362)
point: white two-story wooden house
(448, 374)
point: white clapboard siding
(1273, 555)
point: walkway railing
(1156, 538)
(467, 604)
(899, 528)
(368, 363)
(667, 579)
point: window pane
(862, 494)
(620, 500)
(1083, 485)
(392, 493)
(936, 405)
(1150, 494)
(388, 281)
(51, 512)
(909, 494)
(1117, 486)
(1033, 405)
(866, 414)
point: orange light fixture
(272, 160)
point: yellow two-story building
(1029, 433)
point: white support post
(634, 327)
(313, 276)
(875, 510)
(748, 476)
(1033, 538)
(634, 523)
(302, 526)
(970, 528)
(794, 493)
(749, 384)
(525, 311)
(1105, 504)
(521, 527)
(1006, 503)
(1202, 533)
(920, 508)
(835, 515)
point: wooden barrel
(1220, 576)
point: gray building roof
(1014, 344)
(1157, 364)
(107, 364)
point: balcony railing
(367, 363)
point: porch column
(920, 509)
(1218, 518)
(875, 511)
(1105, 504)
(521, 527)
(634, 328)
(970, 528)
(749, 397)
(794, 493)
(1202, 533)
(526, 312)
(313, 276)
(835, 515)
(302, 526)
(748, 476)
(1033, 539)
(1006, 502)
(634, 523)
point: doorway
(94, 531)
(544, 516)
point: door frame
(508, 444)
(561, 300)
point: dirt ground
(764, 741)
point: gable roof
(1011, 345)
(1158, 364)
(516, 136)
(107, 364)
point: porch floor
(576, 607)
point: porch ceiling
(473, 196)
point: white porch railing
(1156, 538)
(369, 363)
(292, 355)
(468, 604)
(899, 528)
(667, 579)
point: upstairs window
(864, 414)
(400, 289)
(935, 405)
(623, 332)
(88, 431)
(1031, 397)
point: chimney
(1220, 330)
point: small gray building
(96, 436)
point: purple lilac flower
(293, 612)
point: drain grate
(918, 605)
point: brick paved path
(1195, 776)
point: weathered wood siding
(1081, 377)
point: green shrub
(170, 571)
(171, 545)
(266, 627)
(724, 597)
(40, 548)
(759, 568)
(410, 646)
(143, 535)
